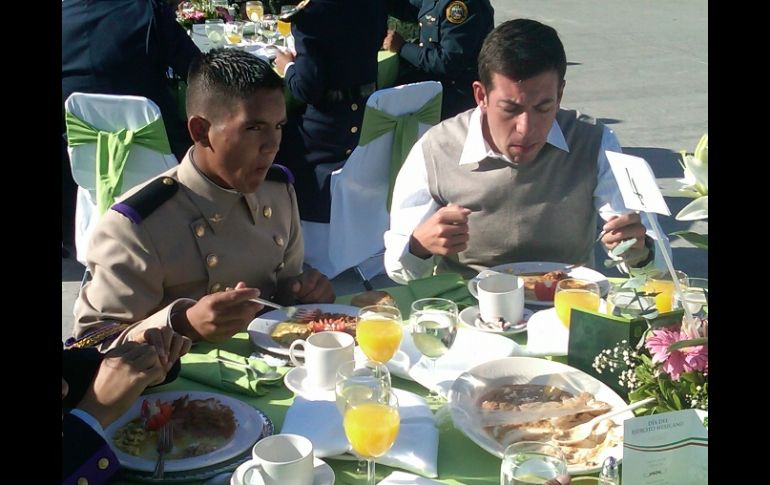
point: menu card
(666, 449)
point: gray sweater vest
(539, 211)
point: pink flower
(674, 362)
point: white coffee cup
(279, 459)
(500, 295)
(324, 353)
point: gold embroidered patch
(456, 12)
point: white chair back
(109, 113)
(359, 193)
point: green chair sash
(376, 123)
(112, 149)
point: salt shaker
(609, 471)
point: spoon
(583, 431)
(290, 310)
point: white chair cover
(359, 193)
(109, 113)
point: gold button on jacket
(103, 463)
(142, 271)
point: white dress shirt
(412, 203)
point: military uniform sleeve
(458, 46)
(306, 78)
(178, 48)
(85, 454)
(126, 289)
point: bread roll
(374, 297)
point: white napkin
(470, 349)
(403, 478)
(415, 449)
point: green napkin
(451, 286)
(201, 365)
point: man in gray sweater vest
(515, 179)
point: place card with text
(666, 449)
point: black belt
(350, 94)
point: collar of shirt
(477, 149)
(214, 202)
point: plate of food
(274, 331)
(540, 278)
(208, 428)
(515, 399)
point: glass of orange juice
(575, 293)
(371, 425)
(379, 331)
(234, 32)
(662, 284)
(284, 26)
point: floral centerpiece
(198, 11)
(670, 363)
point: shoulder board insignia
(456, 12)
(280, 173)
(150, 197)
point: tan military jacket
(200, 241)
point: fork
(165, 444)
(290, 310)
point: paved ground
(641, 67)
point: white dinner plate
(544, 266)
(472, 385)
(259, 329)
(251, 425)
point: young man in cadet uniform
(451, 34)
(190, 248)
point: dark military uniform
(126, 47)
(179, 237)
(334, 73)
(451, 35)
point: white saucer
(470, 317)
(295, 381)
(322, 474)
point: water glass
(630, 303)
(531, 462)
(433, 324)
(357, 380)
(255, 11)
(695, 297)
(267, 28)
(215, 31)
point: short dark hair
(521, 49)
(226, 75)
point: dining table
(460, 460)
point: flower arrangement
(695, 185)
(198, 11)
(669, 364)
